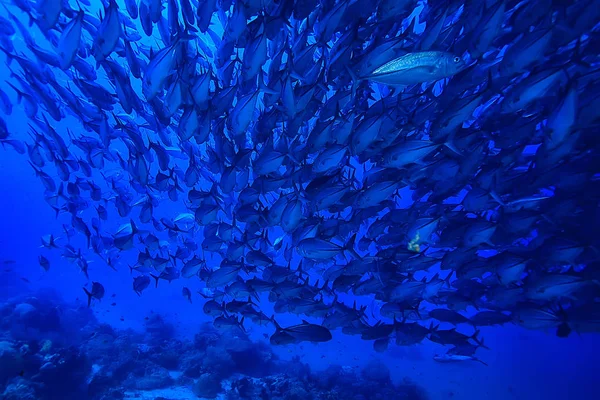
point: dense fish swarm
(425, 157)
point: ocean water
(161, 345)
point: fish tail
(256, 296)
(89, 296)
(496, 197)
(277, 327)
(134, 229)
(479, 342)
(433, 328)
(481, 361)
(350, 247)
(451, 146)
(448, 278)
(156, 278)
(355, 81)
(262, 86)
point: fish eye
(456, 59)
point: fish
(187, 294)
(451, 316)
(108, 33)
(417, 67)
(70, 39)
(300, 333)
(140, 283)
(44, 263)
(318, 249)
(487, 318)
(230, 323)
(191, 267)
(450, 358)
(97, 292)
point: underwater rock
(99, 346)
(40, 316)
(208, 336)
(256, 360)
(112, 364)
(22, 310)
(278, 386)
(126, 365)
(248, 388)
(331, 376)
(207, 385)
(192, 366)
(113, 394)
(168, 359)
(20, 390)
(219, 362)
(30, 317)
(295, 368)
(155, 378)
(64, 374)
(376, 371)
(298, 392)
(171, 393)
(168, 355)
(11, 361)
(101, 383)
(159, 329)
(45, 346)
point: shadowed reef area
(53, 350)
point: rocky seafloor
(51, 350)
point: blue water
(521, 363)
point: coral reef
(76, 357)
(208, 385)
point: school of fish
(375, 167)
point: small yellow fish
(414, 245)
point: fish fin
(277, 327)
(496, 197)
(450, 145)
(241, 325)
(355, 81)
(478, 360)
(57, 211)
(89, 296)
(262, 86)
(479, 341)
(447, 279)
(134, 229)
(350, 247)
(257, 297)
